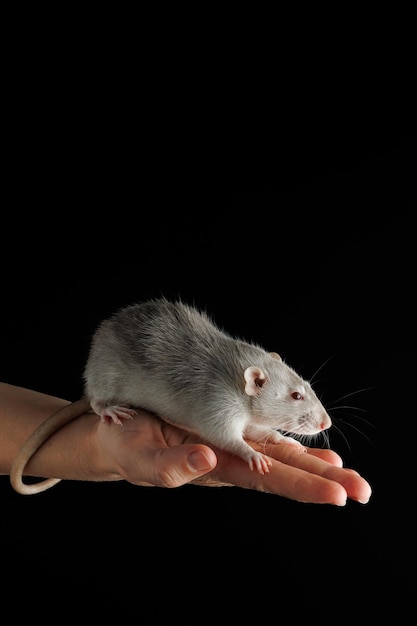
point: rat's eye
(296, 396)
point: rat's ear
(255, 378)
(275, 355)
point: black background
(294, 226)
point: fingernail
(199, 462)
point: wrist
(95, 459)
(73, 452)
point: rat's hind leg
(115, 413)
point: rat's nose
(326, 422)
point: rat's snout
(325, 421)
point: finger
(356, 486)
(282, 479)
(284, 451)
(327, 455)
(304, 486)
(178, 465)
(325, 463)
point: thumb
(179, 465)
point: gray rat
(171, 359)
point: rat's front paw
(260, 462)
(276, 437)
(291, 441)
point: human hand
(147, 451)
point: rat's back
(157, 348)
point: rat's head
(282, 399)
